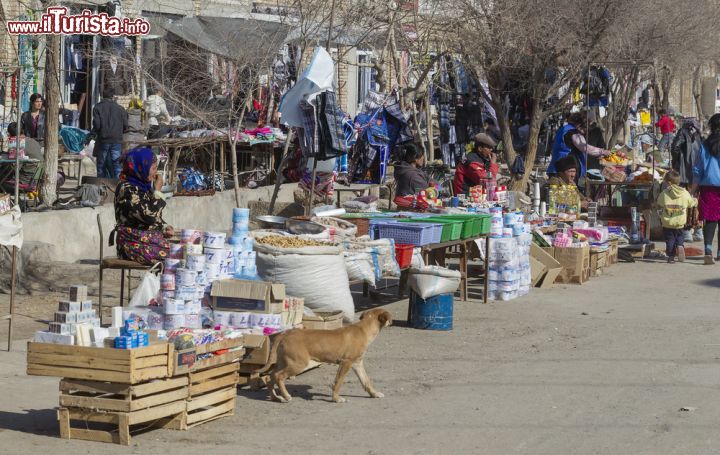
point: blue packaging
(143, 339)
(135, 340)
(236, 240)
(123, 342)
(240, 214)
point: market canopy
(230, 37)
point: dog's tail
(275, 340)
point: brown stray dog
(293, 350)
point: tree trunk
(496, 81)
(696, 91)
(536, 120)
(429, 127)
(52, 70)
(233, 153)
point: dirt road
(602, 368)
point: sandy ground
(601, 368)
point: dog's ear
(362, 316)
(385, 319)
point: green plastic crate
(470, 226)
(455, 227)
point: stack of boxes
(132, 335)
(75, 322)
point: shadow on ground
(34, 421)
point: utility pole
(52, 86)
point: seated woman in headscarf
(566, 171)
(141, 231)
(410, 179)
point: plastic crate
(374, 223)
(439, 228)
(473, 226)
(404, 254)
(418, 234)
(452, 228)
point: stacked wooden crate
(106, 393)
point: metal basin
(272, 222)
(299, 227)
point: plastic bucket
(434, 313)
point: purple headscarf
(136, 169)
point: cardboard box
(537, 271)
(545, 257)
(575, 263)
(78, 293)
(324, 321)
(257, 348)
(242, 295)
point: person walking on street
(667, 128)
(674, 203)
(684, 151)
(110, 121)
(706, 181)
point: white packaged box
(68, 306)
(66, 317)
(54, 338)
(78, 293)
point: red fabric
(666, 125)
(709, 203)
(412, 203)
(471, 174)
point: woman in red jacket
(478, 166)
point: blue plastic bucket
(434, 313)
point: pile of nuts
(288, 242)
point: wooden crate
(125, 366)
(231, 356)
(613, 252)
(111, 396)
(211, 396)
(598, 262)
(107, 411)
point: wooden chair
(114, 263)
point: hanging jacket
(472, 171)
(330, 127)
(409, 180)
(562, 147)
(685, 146)
(674, 202)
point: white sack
(432, 280)
(316, 274)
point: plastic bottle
(552, 200)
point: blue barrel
(434, 313)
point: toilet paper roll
(214, 255)
(193, 307)
(240, 215)
(174, 306)
(117, 316)
(175, 251)
(155, 320)
(192, 249)
(167, 282)
(193, 321)
(195, 262)
(174, 321)
(185, 277)
(171, 264)
(214, 240)
(191, 236)
(222, 318)
(240, 320)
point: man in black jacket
(110, 121)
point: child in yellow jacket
(674, 203)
